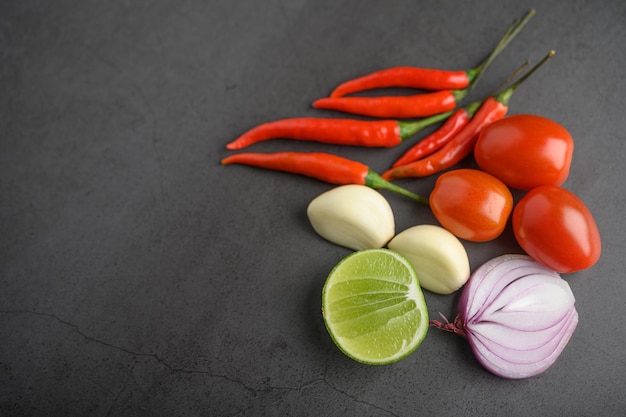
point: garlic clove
(354, 216)
(439, 257)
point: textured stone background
(138, 276)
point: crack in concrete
(153, 356)
(117, 396)
(334, 388)
(163, 362)
(359, 401)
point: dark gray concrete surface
(139, 277)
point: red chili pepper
(425, 78)
(326, 167)
(456, 149)
(440, 137)
(399, 107)
(377, 133)
(419, 105)
(492, 109)
(407, 77)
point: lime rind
(373, 307)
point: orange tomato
(471, 204)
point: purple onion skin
(517, 315)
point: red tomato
(525, 151)
(557, 229)
(471, 204)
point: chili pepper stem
(459, 94)
(510, 78)
(374, 180)
(408, 129)
(504, 96)
(471, 108)
(512, 31)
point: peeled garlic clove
(354, 216)
(439, 258)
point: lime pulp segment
(374, 308)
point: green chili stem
(376, 181)
(505, 95)
(408, 129)
(510, 78)
(471, 108)
(512, 31)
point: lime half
(374, 308)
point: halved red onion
(517, 315)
